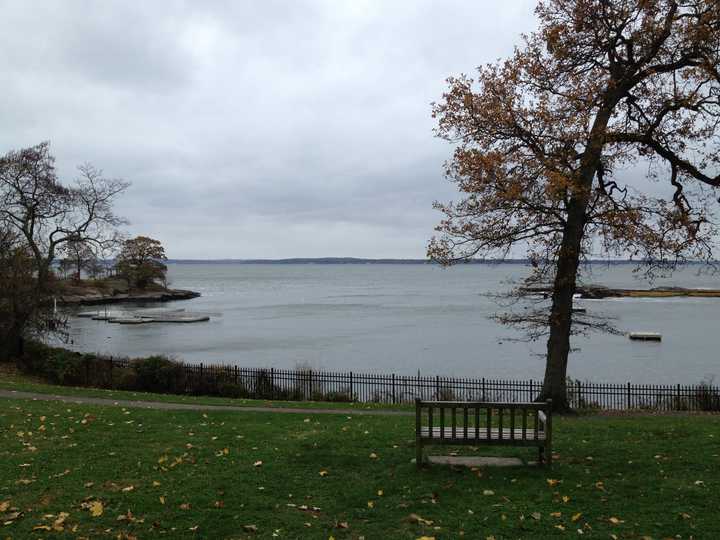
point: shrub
(232, 390)
(707, 396)
(160, 374)
(264, 387)
(125, 379)
(59, 366)
(343, 396)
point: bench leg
(541, 455)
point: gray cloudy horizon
(267, 129)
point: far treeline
(356, 260)
(53, 234)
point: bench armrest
(545, 416)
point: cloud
(253, 129)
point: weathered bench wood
(517, 424)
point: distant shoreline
(355, 260)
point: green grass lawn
(262, 475)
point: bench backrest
(516, 417)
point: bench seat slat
(494, 433)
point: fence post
(236, 375)
(272, 383)
(393, 389)
(484, 395)
(628, 395)
(532, 392)
(677, 401)
(579, 394)
(437, 387)
(352, 393)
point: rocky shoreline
(96, 297)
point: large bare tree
(49, 214)
(601, 86)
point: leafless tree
(48, 214)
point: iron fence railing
(307, 384)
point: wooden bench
(480, 423)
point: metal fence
(306, 384)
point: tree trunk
(558, 345)
(560, 322)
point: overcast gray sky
(252, 129)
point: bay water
(409, 319)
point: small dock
(145, 316)
(645, 336)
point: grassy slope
(658, 477)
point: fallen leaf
(323, 473)
(185, 506)
(371, 504)
(7, 519)
(258, 464)
(373, 455)
(552, 482)
(487, 492)
(536, 516)
(162, 499)
(4, 506)
(414, 518)
(59, 523)
(576, 517)
(615, 521)
(96, 508)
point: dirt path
(158, 405)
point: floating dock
(185, 318)
(145, 316)
(645, 336)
